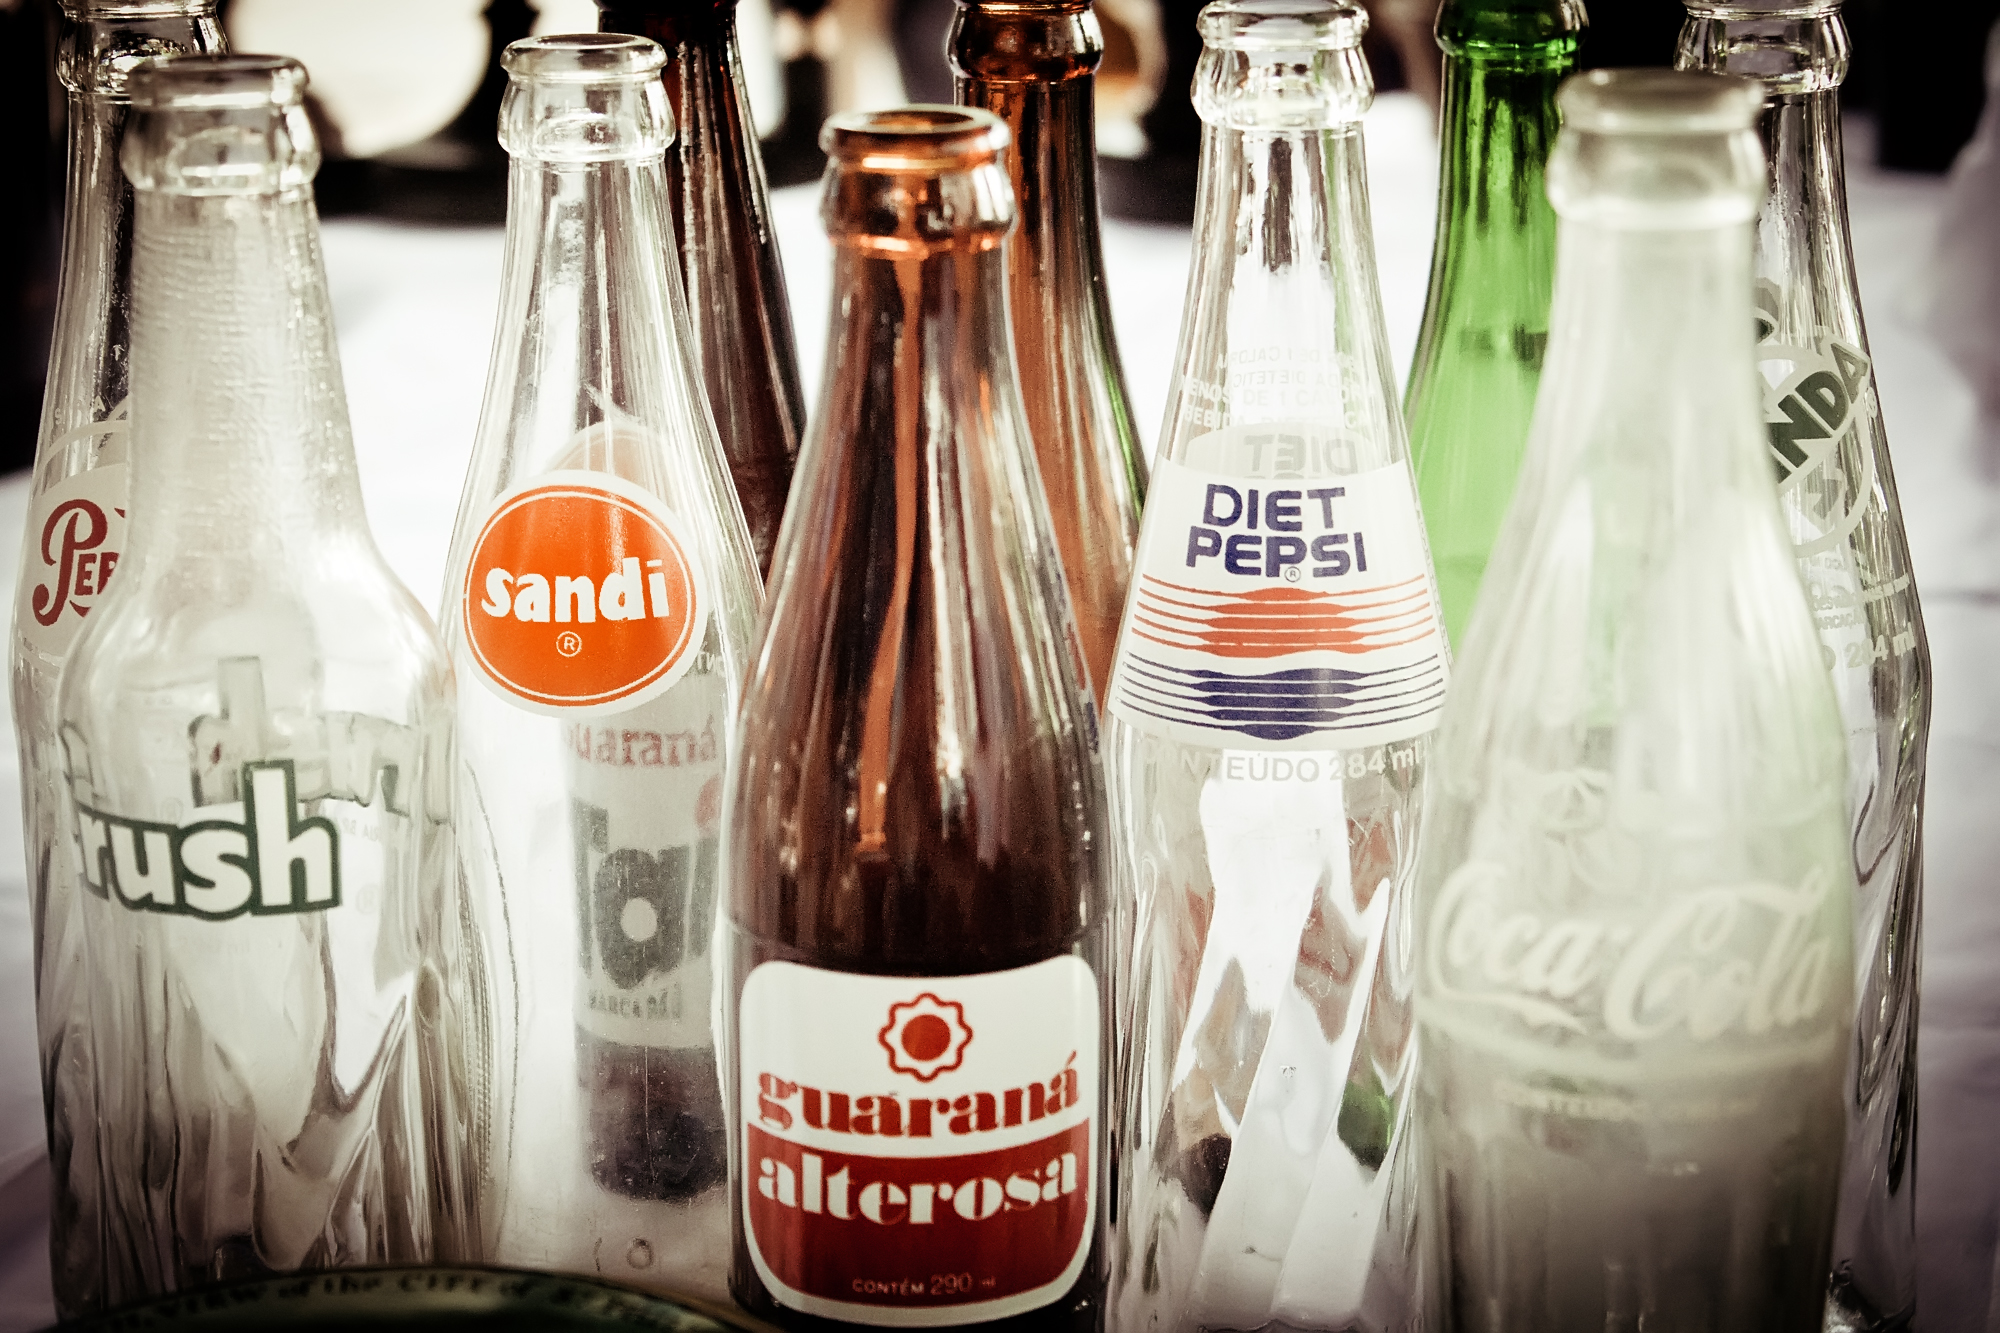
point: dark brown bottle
(917, 1023)
(728, 247)
(1033, 64)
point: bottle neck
(242, 456)
(1284, 315)
(1499, 123)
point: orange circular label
(582, 593)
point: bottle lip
(86, 10)
(211, 82)
(1762, 9)
(925, 137)
(1029, 8)
(1282, 25)
(584, 58)
(1659, 101)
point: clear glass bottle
(75, 534)
(1486, 319)
(727, 243)
(1831, 453)
(599, 604)
(255, 728)
(1281, 666)
(1034, 65)
(1633, 897)
(917, 1009)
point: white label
(1280, 613)
(77, 532)
(918, 1151)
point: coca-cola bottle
(1634, 893)
(727, 243)
(255, 733)
(1281, 668)
(917, 932)
(1831, 454)
(74, 538)
(1034, 65)
(599, 604)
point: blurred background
(405, 93)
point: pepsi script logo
(263, 837)
(77, 532)
(1273, 612)
(918, 1150)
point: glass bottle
(1835, 482)
(1634, 890)
(917, 1008)
(75, 533)
(599, 602)
(255, 726)
(726, 240)
(1281, 666)
(1486, 319)
(1034, 65)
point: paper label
(1280, 613)
(918, 1151)
(78, 532)
(583, 594)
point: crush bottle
(255, 733)
(727, 245)
(1486, 321)
(74, 538)
(599, 602)
(917, 927)
(1831, 456)
(1034, 65)
(1635, 975)
(1280, 669)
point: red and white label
(583, 593)
(918, 1151)
(76, 533)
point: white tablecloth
(415, 312)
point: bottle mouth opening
(1659, 101)
(217, 83)
(584, 57)
(1029, 8)
(1762, 9)
(82, 10)
(915, 138)
(1282, 25)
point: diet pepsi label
(917, 1151)
(1280, 612)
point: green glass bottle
(1486, 319)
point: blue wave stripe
(1283, 705)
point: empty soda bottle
(726, 240)
(256, 729)
(1831, 455)
(917, 928)
(1281, 666)
(1486, 319)
(1034, 65)
(1633, 903)
(599, 603)
(75, 536)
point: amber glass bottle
(917, 1018)
(1033, 65)
(728, 249)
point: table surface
(415, 307)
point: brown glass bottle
(917, 1022)
(1033, 63)
(728, 247)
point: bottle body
(74, 539)
(1280, 669)
(918, 1009)
(598, 605)
(1830, 450)
(1633, 903)
(727, 245)
(1034, 67)
(254, 727)
(1485, 329)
